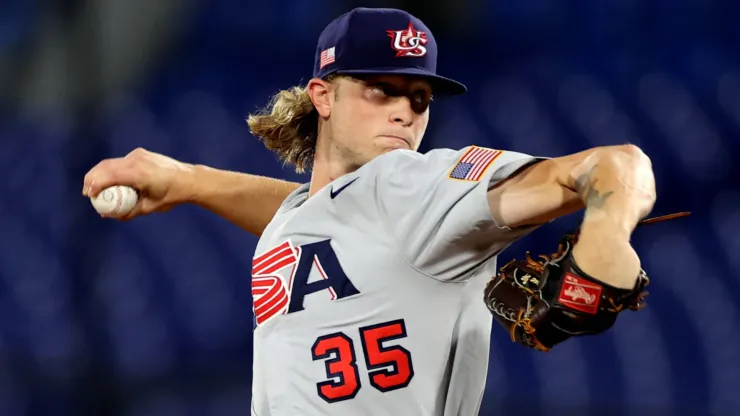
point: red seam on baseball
(120, 199)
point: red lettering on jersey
(269, 292)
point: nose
(402, 112)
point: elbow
(621, 158)
(637, 158)
(634, 169)
(635, 153)
(616, 160)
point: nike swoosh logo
(334, 193)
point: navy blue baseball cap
(381, 41)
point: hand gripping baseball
(161, 182)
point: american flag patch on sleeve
(474, 163)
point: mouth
(405, 141)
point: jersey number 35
(339, 351)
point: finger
(124, 176)
(106, 173)
(92, 174)
(101, 173)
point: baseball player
(367, 282)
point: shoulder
(403, 156)
(402, 160)
(295, 198)
(470, 163)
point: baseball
(115, 201)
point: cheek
(367, 114)
(421, 124)
(363, 119)
(355, 123)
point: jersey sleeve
(435, 205)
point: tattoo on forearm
(586, 187)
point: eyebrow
(412, 86)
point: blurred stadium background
(153, 317)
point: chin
(388, 143)
(391, 149)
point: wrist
(608, 258)
(602, 222)
(186, 183)
(619, 219)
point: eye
(421, 96)
(382, 89)
(421, 99)
(378, 90)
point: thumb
(136, 211)
(144, 206)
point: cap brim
(440, 85)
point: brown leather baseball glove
(543, 302)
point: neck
(328, 164)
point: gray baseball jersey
(368, 295)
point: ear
(321, 95)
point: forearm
(617, 188)
(249, 201)
(615, 185)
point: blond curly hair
(288, 126)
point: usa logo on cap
(408, 42)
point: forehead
(399, 81)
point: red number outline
(378, 357)
(343, 365)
